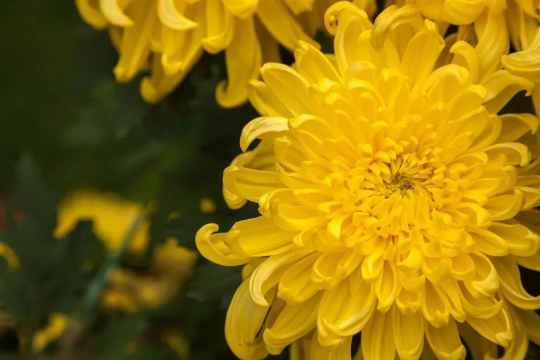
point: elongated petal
(281, 24)
(293, 322)
(171, 17)
(243, 58)
(243, 323)
(377, 343)
(90, 12)
(445, 342)
(345, 310)
(408, 334)
(114, 13)
(512, 287)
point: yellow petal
(171, 17)
(281, 24)
(497, 329)
(135, 46)
(512, 287)
(296, 285)
(265, 101)
(520, 239)
(408, 334)
(114, 13)
(243, 325)
(531, 322)
(435, 307)
(243, 60)
(502, 87)
(482, 307)
(313, 65)
(492, 36)
(345, 310)
(421, 54)
(267, 275)
(516, 126)
(377, 344)
(445, 342)
(478, 346)
(241, 8)
(220, 27)
(293, 322)
(91, 13)
(289, 87)
(465, 55)
(215, 247)
(243, 182)
(258, 127)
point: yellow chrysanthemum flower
(495, 23)
(131, 291)
(394, 201)
(169, 36)
(112, 217)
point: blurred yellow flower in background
(169, 36)
(112, 218)
(394, 201)
(131, 291)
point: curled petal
(243, 325)
(503, 86)
(497, 329)
(345, 310)
(296, 285)
(293, 322)
(512, 287)
(215, 247)
(281, 23)
(114, 13)
(445, 342)
(243, 58)
(135, 44)
(267, 275)
(220, 26)
(91, 13)
(171, 17)
(261, 126)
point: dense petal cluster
(169, 36)
(395, 201)
(492, 25)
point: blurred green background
(67, 125)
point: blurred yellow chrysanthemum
(131, 291)
(112, 217)
(169, 36)
(394, 201)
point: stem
(91, 299)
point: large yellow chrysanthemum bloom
(394, 201)
(169, 36)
